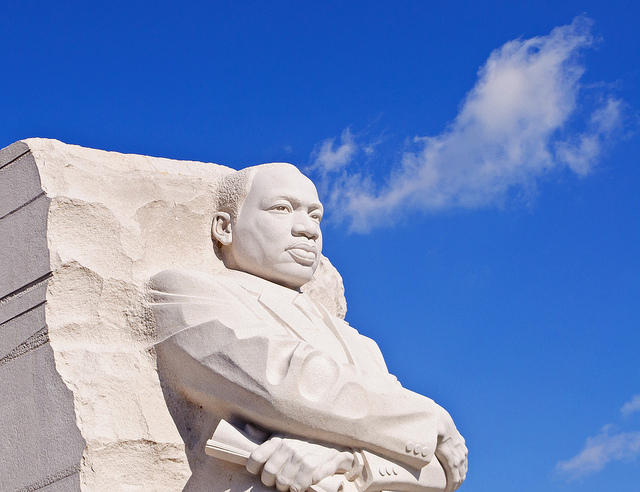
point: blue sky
(480, 159)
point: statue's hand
(451, 452)
(293, 465)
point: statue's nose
(305, 226)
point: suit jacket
(238, 347)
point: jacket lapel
(280, 306)
(305, 319)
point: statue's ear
(221, 228)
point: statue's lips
(303, 253)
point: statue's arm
(283, 384)
(275, 380)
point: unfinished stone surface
(81, 231)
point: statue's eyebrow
(267, 201)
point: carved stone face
(277, 233)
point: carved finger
(308, 465)
(300, 485)
(445, 454)
(341, 462)
(282, 484)
(345, 461)
(261, 454)
(464, 467)
(461, 460)
(304, 477)
(274, 464)
(288, 474)
(272, 469)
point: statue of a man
(249, 347)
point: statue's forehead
(285, 179)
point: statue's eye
(316, 216)
(281, 208)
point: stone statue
(248, 347)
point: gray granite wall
(40, 444)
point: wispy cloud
(512, 128)
(607, 446)
(631, 406)
(329, 157)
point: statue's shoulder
(190, 283)
(181, 299)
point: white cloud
(631, 406)
(600, 450)
(512, 129)
(582, 154)
(609, 445)
(329, 158)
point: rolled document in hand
(231, 444)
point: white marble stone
(247, 346)
(83, 229)
(82, 403)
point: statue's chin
(292, 282)
(293, 277)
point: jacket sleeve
(275, 380)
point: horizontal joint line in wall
(32, 308)
(51, 479)
(41, 194)
(15, 159)
(25, 288)
(35, 341)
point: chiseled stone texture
(81, 231)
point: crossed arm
(259, 378)
(293, 465)
(260, 373)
